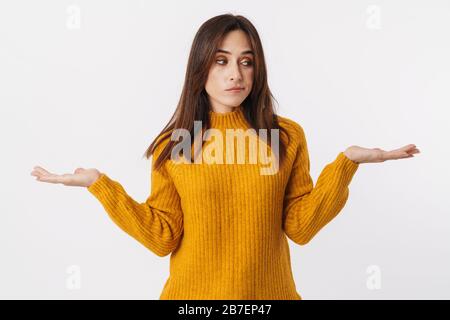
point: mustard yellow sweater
(226, 225)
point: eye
(246, 63)
(220, 60)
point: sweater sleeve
(156, 223)
(308, 208)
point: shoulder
(161, 141)
(293, 128)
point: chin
(232, 102)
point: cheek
(213, 81)
(248, 77)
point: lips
(235, 89)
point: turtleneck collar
(228, 120)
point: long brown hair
(194, 104)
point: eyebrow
(243, 52)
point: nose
(235, 73)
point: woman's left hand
(365, 155)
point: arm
(156, 223)
(308, 209)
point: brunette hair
(194, 105)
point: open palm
(80, 177)
(372, 155)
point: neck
(231, 119)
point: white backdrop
(91, 83)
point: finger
(403, 149)
(41, 170)
(50, 178)
(405, 155)
(408, 147)
(39, 173)
(396, 154)
(36, 173)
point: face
(232, 67)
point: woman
(224, 223)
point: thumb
(79, 170)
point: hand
(80, 178)
(365, 155)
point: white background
(91, 83)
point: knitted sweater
(226, 225)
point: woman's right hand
(80, 177)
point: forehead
(235, 42)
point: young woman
(224, 223)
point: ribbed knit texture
(226, 225)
